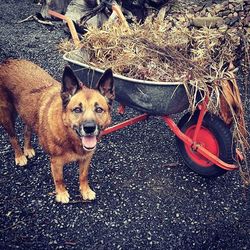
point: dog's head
(87, 111)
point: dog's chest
(71, 156)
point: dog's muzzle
(88, 132)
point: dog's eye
(98, 110)
(77, 110)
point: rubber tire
(223, 136)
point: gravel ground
(146, 197)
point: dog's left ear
(106, 86)
(70, 85)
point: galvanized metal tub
(154, 98)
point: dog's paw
(62, 197)
(21, 160)
(29, 152)
(88, 194)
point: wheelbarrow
(204, 141)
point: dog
(67, 117)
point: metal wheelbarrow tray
(154, 98)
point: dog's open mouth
(89, 142)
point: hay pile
(150, 52)
(159, 52)
(153, 45)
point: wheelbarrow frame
(190, 142)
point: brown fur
(29, 91)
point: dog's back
(22, 84)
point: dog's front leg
(86, 191)
(62, 194)
(28, 149)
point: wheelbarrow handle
(116, 8)
(70, 23)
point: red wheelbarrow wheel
(214, 135)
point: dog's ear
(106, 86)
(70, 85)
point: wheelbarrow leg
(203, 110)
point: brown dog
(67, 117)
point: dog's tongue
(89, 142)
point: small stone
(247, 8)
(238, 7)
(224, 4)
(207, 21)
(212, 12)
(233, 21)
(218, 8)
(225, 12)
(235, 14)
(198, 9)
(203, 12)
(247, 21)
(241, 24)
(241, 13)
(227, 20)
(223, 27)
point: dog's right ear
(70, 85)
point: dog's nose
(89, 127)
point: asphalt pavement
(146, 197)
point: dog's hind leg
(28, 149)
(7, 119)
